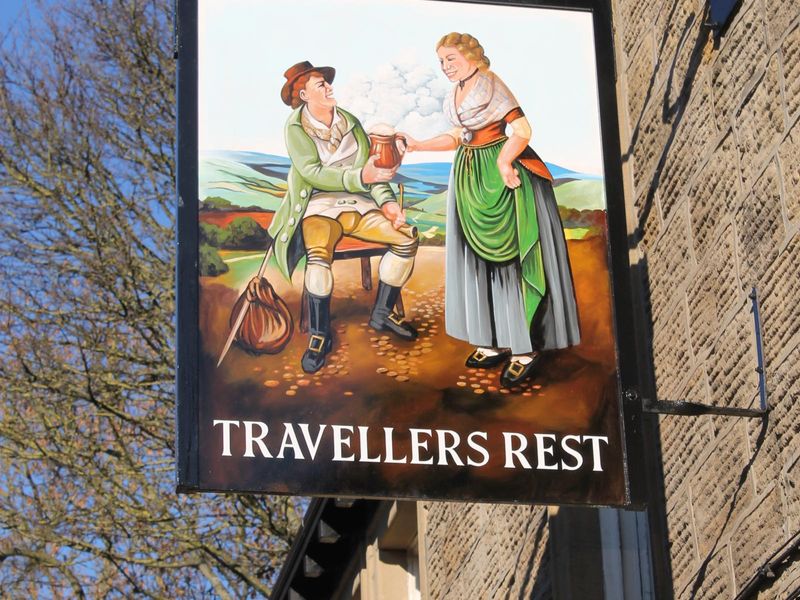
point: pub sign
(402, 267)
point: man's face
(318, 93)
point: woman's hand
(372, 174)
(509, 174)
(393, 212)
(409, 143)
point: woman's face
(454, 65)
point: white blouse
(487, 102)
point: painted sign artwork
(404, 287)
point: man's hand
(509, 174)
(372, 174)
(391, 210)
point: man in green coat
(335, 189)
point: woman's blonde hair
(468, 46)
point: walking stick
(245, 307)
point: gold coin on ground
(272, 383)
(381, 370)
(402, 378)
(291, 393)
(392, 373)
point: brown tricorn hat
(301, 68)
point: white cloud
(403, 94)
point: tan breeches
(321, 234)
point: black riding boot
(319, 329)
(383, 316)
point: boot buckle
(397, 320)
(316, 343)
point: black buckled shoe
(480, 360)
(384, 318)
(517, 372)
(320, 340)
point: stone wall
(487, 551)
(711, 153)
(711, 158)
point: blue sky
(9, 10)
(545, 56)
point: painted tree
(87, 303)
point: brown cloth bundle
(267, 326)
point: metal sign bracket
(693, 409)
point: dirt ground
(373, 379)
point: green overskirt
(500, 224)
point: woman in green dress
(508, 285)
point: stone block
(790, 483)
(760, 227)
(712, 581)
(760, 121)
(778, 292)
(716, 190)
(721, 490)
(681, 35)
(483, 550)
(684, 443)
(682, 545)
(649, 140)
(687, 149)
(742, 51)
(732, 361)
(671, 350)
(714, 291)
(789, 156)
(637, 18)
(757, 535)
(670, 262)
(782, 14)
(641, 73)
(790, 51)
(652, 228)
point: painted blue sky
(387, 69)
